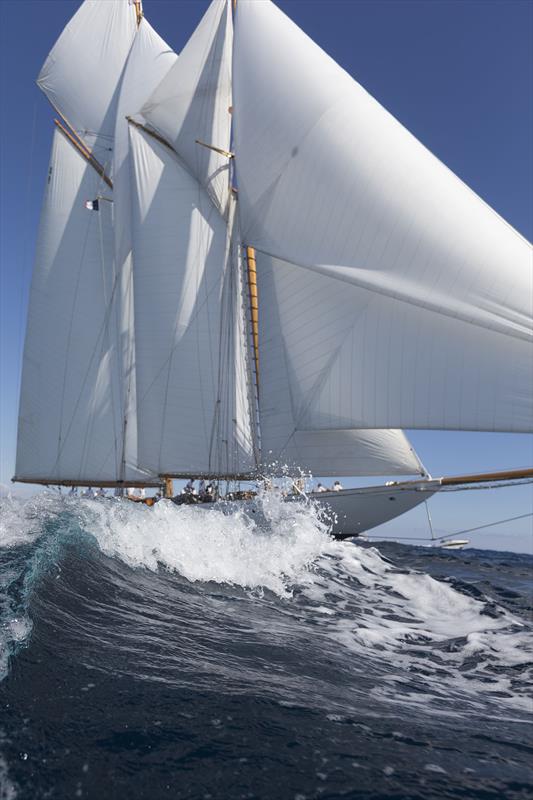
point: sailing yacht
(246, 266)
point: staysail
(192, 378)
(192, 104)
(425, 317)
(70, 420)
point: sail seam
(368, 286)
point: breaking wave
(267, 608)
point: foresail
(192, 396)
(82, 73)
(193, 102)
(70, 422)
(404, 300)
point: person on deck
(320, 488)
(337, 487)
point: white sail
(408, 300)
(82, 73)
(192, 407)
(193, 101)
(149, 60)
(70, 425)
(292, 314)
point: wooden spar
(81, 482)
(254, 306)
(151, 133)
(138, 11)
(484, 477)
(211, 476)
(168, 487)
(219, 150)
(87, 155)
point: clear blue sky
(459, 75)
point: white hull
(353, 511)
(356, 510)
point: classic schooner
(247, 266)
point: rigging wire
(456, 533)
(24, 284)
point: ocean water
(176, 652)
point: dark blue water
(179, 653)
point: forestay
(192, 388)
(193, 101)
(404, 301)
(70, 420)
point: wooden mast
(254, 307)
(138, 11)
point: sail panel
(149, 60)
(192, 102)
(339, 453)
(295, 333)
(82, 73)
(70, 425)
(353, 358)
(422, 291)
(192, 407)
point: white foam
(421, 635)
(206, 544)
(21, 520)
